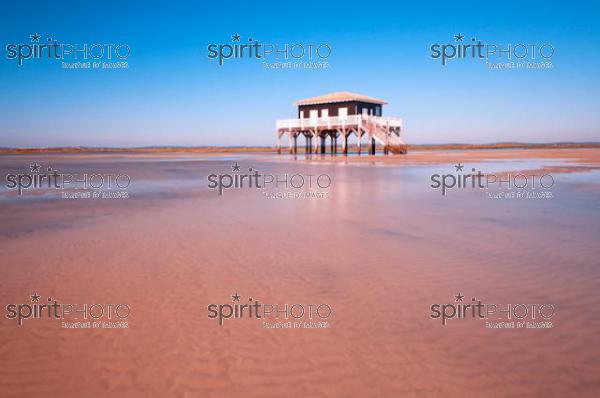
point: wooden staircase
(385, 135)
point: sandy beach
(379, 249)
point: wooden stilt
(335, 137)
(372, 146)
(278, 143)
(386, 149)
(345, 144)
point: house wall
(354, 108)
(373, 109)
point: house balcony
(336, 123)
(379, 129)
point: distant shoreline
(258, 149)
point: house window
(365, 111)
(378, 111)
(314, 113)
(324, 112)
(343, 112)
(301, 114)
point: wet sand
(380, 249)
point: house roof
(340, 96)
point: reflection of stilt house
(341, 115)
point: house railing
(336, 122)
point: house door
(343, 113)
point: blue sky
(173, 94)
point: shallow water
(380, 249)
